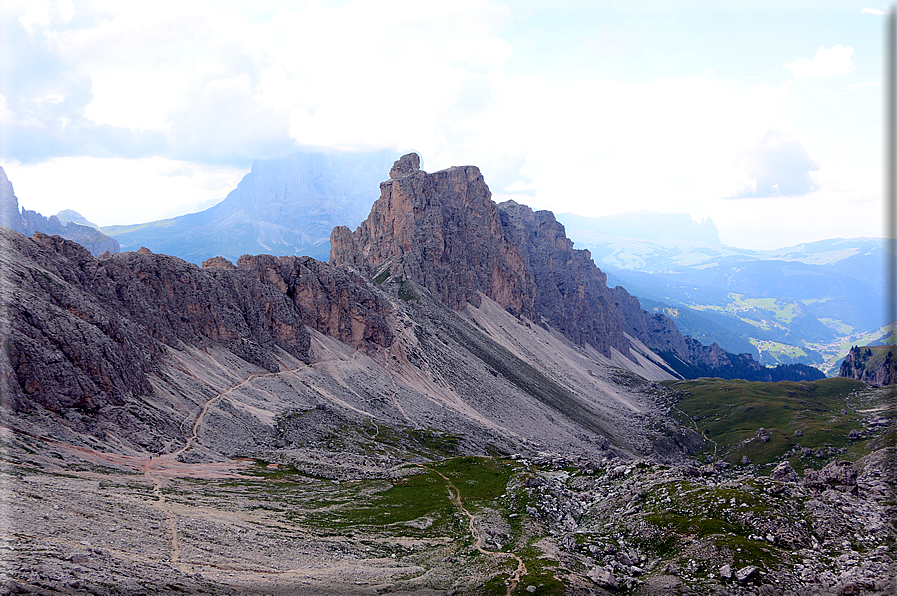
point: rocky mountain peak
(443, 231)
(405, 165)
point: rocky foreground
(85, 522)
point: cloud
(217, 83)
(611, 41)
(833, 62)
(777, 167)
(852, 88)
(120, 191)
(876, 12)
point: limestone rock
(784, 473)
(603, 577)
(745, 573)
(219, 262)
(571, 293)
(333, 301)
(405, 165)
(441, 230)
(875, 365)
(839, 472)
(84, 332)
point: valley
(430, 521)
(456, 403)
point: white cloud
(6, 115)
(778, 166)
(875, 11)
(209, 81)
(833, 62)
(120, 191)
(366, 73)
(852, 88)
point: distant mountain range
(28, 222)
(804, 303)
(283, 206)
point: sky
(764, 116)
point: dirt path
(163, 506)
(205, 407)
(695, 424)
(475, 533)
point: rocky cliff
(85, 332)
(442, 231)
(27, 222)
(875, 365)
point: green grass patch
(383, 276)
(404, 500)
(731, 412)
(477, 478)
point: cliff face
(875, 365)
(571, 292)
(85, 332)
(443, 231)
(333, 301)
(27, 222)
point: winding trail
(695, 424)
(475, 533)
(148, 466)
(163, 506)
(205, 407)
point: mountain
(455, 403)
(27, 222)
(443, 231)
(875, 365)
(71, 216)
(804, 303)
(283, 206)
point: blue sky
(765, 116)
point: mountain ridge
(284, 425)
(27, 222)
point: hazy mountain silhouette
(283, 206)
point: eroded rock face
(571, 292)
(443, 231)
(84, 332)
(333, 301)
(875, 365)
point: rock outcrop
(875, 365)
(443, 231)
(85, 332)
(27, 222)
(571, 293)
(333, 301)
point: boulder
(603, 577)
(784, 473)
(745, 573)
